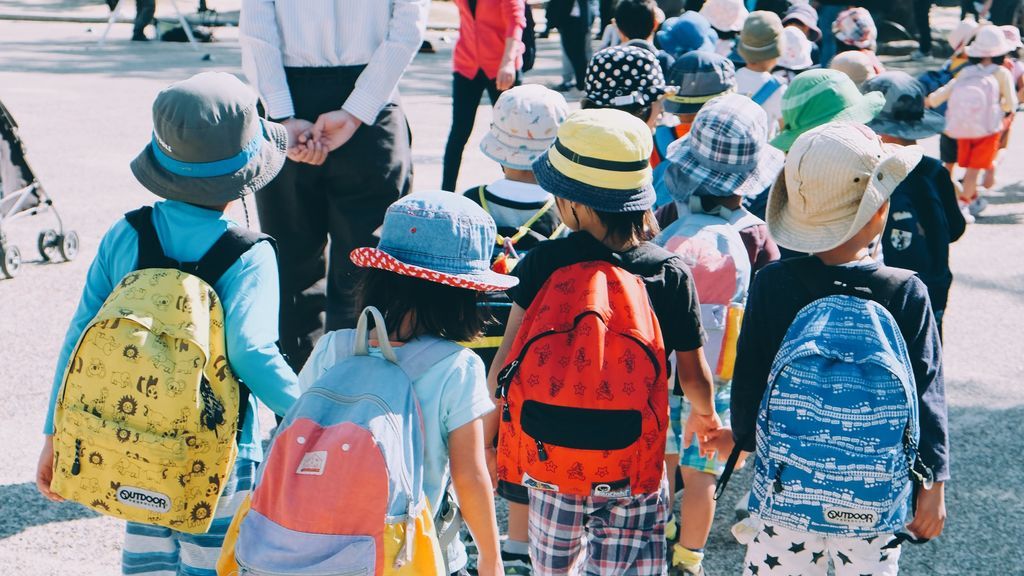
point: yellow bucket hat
(601, 158)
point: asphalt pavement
(84, 113)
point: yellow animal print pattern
(146, 417)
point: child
(796, 55)
(696, 78)
(198, 121)
(832, 203)
(635, 22)
(857, 65)
(599, 172)
(686, 33)
(425, 277)
(979, 99)
(1016, 67)
(924, 218)
(526, 119)
(726, 17)
(625, 78)
(724, 158)
(855, 31)
(804, 18)
(760, 46)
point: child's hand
(44, 471)
(930, 516)
(490, 568)
(706, 427)
(722, 444)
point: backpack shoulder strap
(232, 244)
(482, 191)
(766, 90)
(151, 253)
(663, 136)
(420, 355)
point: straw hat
(526, 120)
(819, 96)
(836, 177)
(600, 159)
(209, 145)
(725, 15)
(989, 42)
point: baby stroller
(22, 195)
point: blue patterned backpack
(837, 431)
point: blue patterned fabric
(838, 427)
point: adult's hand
(301, 145)
(334, 129)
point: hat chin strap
(208, 169)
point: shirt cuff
(363, 105)
(279, 105)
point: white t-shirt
(748, 82)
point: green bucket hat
(209, 145)
(817, 97)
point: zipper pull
(777, 486)
(506, 415)
(505, 376)
(542, 454)
(76, 467)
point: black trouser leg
(575, 34)
(466, 95)
(346, 196)
(607, 10)
(145, 10)
(922, 8)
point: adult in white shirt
(329, 72)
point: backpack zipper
(542, 454)
(246, 569)
(76, 467)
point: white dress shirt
(382, 34)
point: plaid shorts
(595, 535)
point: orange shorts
(977, 153)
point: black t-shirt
(776, 297)
(673, 295)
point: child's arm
(930, 513)
(251, 301)
(939, 97)
(699, 387)
(476, 499)
(515, 320)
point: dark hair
(726, 34)
(636, 18)
(641, 112)
(438, 309)
(844, 47)
(638, 225)
(995, 60)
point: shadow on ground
(24, 507)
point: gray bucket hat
(209, 145)
(904, 114)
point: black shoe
(564, 87)
(111, 4)
(544, 33)
(139, 37)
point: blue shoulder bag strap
(766, 90)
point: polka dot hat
(623, 76)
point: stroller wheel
(10, 260)
(69, 245)
(46, 243)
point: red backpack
(585, 403)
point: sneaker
(564, 87)
(517, 564)
(918, 55)
(741, 506)
(977, 206)
(680, 571)
(139, 37)
(966, 212)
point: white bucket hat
(989, 42)
(796, 49)
(725, 15)
(962, 34)
(526, 120)
(836, 177)
(1012, 34)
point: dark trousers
(342, 200)
(575, 34)
(924, 27)
(145, 10)
(607, 11)
(466, 96)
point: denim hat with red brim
(439, 237)
(726, 152)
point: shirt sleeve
(380, 77)
(679, 311)
(320, 361)
(251, 297)
(939, 97)
(925, 349)
(464, 397)
(1007, 94)
(753, 364)
(99, 283)
(261, 56)
(513, 13)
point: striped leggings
(158, 551)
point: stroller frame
(30, 199)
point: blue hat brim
(596, 197)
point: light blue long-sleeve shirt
(248, 291)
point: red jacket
(482, 36)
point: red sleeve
(513, 14)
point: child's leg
(697, 508)
(518, 522)
(627, 536)
(855, 556)
(970, 191)
(777, 551)
(556, 532)
(149, 550)
(199, 552)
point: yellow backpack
(146, 420)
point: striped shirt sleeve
(261, 56)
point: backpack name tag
(851, 517)
(537, 484)
(617, 489)
(145, 499)
(313, 463)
